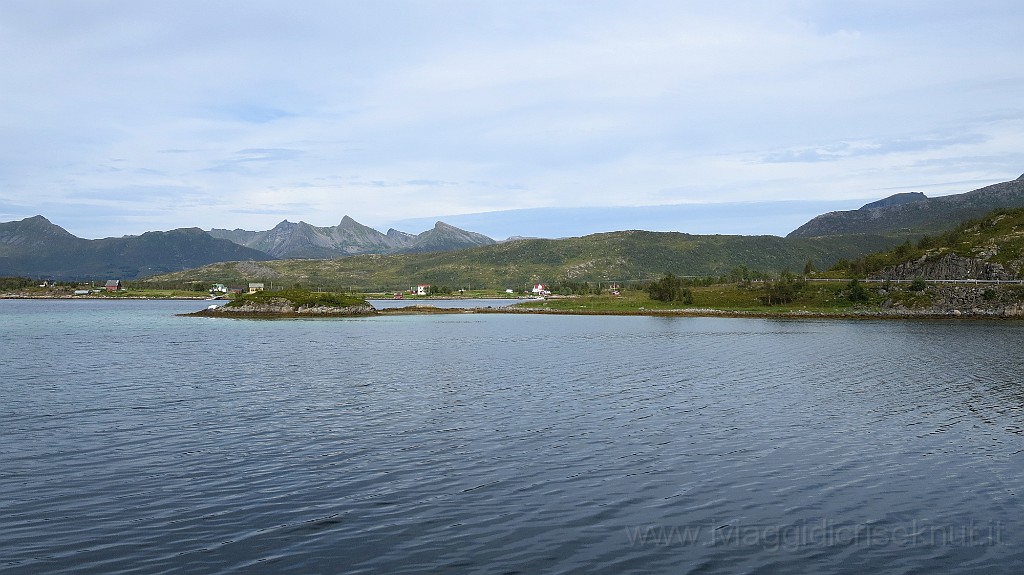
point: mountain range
(37, 248)
(914, 214)
(289, 240)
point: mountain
(896, 200)
(289, 240)
(36, 234)
(615, 256)
(37, 248)
(915, 214)
(444, 237)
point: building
(423, 289)
(112, 285)
(540, 289)
(255, 287)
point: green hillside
(987, 248)
(616, 256)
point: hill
(914, 214)
(35, 247)
(607, 257)
(987, 248)
(301, 240)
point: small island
(290, 303)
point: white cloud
(385, 111)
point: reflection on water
(137, 441)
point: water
(135, 441)
(444, 303)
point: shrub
(856, 292)
(670, 288)
(780, 291)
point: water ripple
(505, 444)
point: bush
(781, 291)
(299, 298)
(856, 292)
(669, 289)
(918, 284)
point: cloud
(843, 150)
(408, 109)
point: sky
(120, 117)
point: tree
(669, 289)
(782, 290)
(857, 293)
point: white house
(540, 289)
(423, 289)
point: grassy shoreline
(876, 300)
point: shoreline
(696, 312)
(861, 314)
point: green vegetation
(856, 292)
(810, 297)
(16, 283)
(782, 290)
(299, 298)
(600, 260)
(998, 236)
(671, 289)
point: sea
(135, 440)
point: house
(540, 289)
(219, 288)
(112, 285)
(255, 287)
(423, 289)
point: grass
(152, 294)
(826, 298)
(300, 298)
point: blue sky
(119, 117)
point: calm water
(443, 303)
(134, 441)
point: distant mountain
(915, 214)
(731, 218)
(896, 200)
(445, 238)
(289, 240)
(37, 248)
(607, 257)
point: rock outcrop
(948, 266)
(965, 301)
(281, 307)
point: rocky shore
(283, 308)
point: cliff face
(964, 301)
(946, 267)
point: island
(290, 303)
